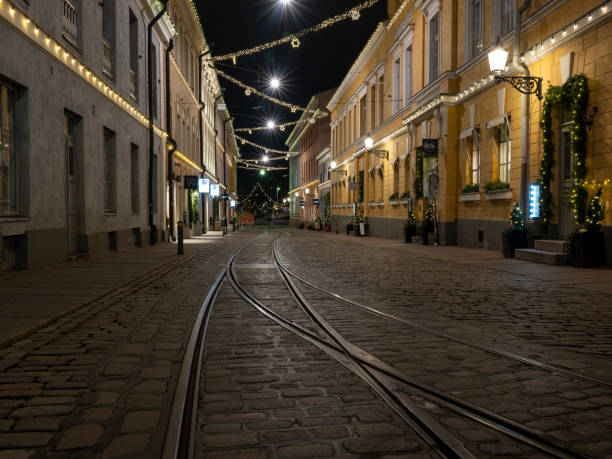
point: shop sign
(232, 203)
(430, 147)
(214, 189)
(534, 201)
(316, 202)
(225, 196)
(190, 182)
(302, 203)
(204, 185)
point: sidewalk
(33, 299)
(594, 279)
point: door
(566, 217)
(70, 124)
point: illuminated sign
(302, 203)
(534, 201)
(316, 202)
(214, 189)
(225, 196)
(204, 185)
(190, 182)
(232, 203)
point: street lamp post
(368, 143)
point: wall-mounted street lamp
(524, 84)
(333, 166)
(368, 142)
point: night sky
(320, 63)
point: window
(430, 176)
(381, 99)
(434, 47)
(473, 158)
(408, 75)
(363, 113)
(372, 106)
(504, 153)
(154, 81)
(72, 22)
(396, 176)
(133, 56)
(108, 40)
(507, 16)
(134, 176)
(473, 28)
(8, 153)
(395, 106)
(110, 172)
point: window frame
(13, 167)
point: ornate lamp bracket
(380, 153)
(524, 84)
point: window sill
(405, 201)
(470, 197)
(110, 214)
(395, 202)
(502, 195)
(13, 219)
(376, 204)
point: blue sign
(534, 201)
(204, 186)
(302, 203)
(316, 202)
(214, 189)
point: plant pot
(349, 228)
(587, 249)
(409, 231)
(512, 240)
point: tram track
(396, 389)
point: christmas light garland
(265, 149)
(283, 125)
(251, 90)
(294, 39)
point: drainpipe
(525, 100)
(150, 94)
(215, 129)
(170, 140)
(201, 125)
(225, 167)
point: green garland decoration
(575, 95)
(418, 174)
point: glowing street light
(285, 2)
(270, 124)
(275, 83)
(334, 164)
(368, 143)
(265, 158)
(262, 172)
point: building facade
(313, 137)
(75, 129)
(452, 138)
(84, 158)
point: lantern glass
(497, 60)
(368, 142)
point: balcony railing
(133, 85)
(107, 63)
(70, 22)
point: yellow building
(425, 74)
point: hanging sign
(534, 201)
(214, 189)
(190, 182)
(430, 147)
(316, 202)
(204, 185)
(224, 196)
(302, 203)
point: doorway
(71, 137)
(566, 165)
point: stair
(547, 251)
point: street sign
(204, 185)
(430, 147)
(224, 196)
(190, 182)
(316, 202)
(214, 189)
(302, 203)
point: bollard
(181, 250)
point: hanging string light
(251, 90)
(266, 149)
(353, 14)
(280, 126)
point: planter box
(513, 240)
(470, 197)
(502, 195)
(587, 249)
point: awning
(495, 121)
(466, 133)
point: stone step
(540, 256)
(552, 245)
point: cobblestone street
(100, 381)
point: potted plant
(394, 197)
(350, 225)
(410, 228)
(587, 247)
(471, 188)
(514, 235)
(196, 226)
(428, 225)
